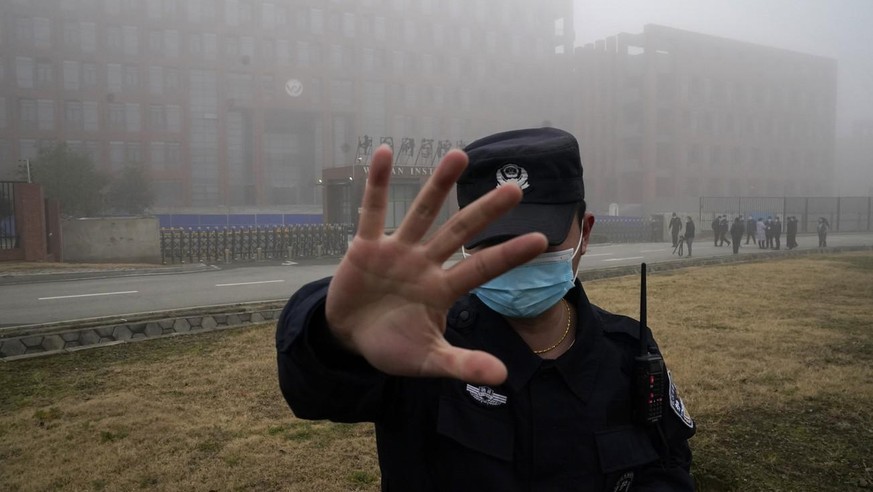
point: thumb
(472, 366)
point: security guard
(497, 373)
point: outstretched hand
(390, 295)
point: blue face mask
(528, 290)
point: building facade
(248, 103)
(666, 114)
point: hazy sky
(841, 29)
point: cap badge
(512, 173)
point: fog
(276, 105)
(838, 29)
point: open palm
(389, 297)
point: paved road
(44, 302)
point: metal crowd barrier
(255, 243)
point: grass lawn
(774, 360)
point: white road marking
(589, 255)
(653, 250)
(628, 258)
(250, 283)
(89, 295)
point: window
(71, 75)
(132, 119)
(45, 114)
(349, 22)
(156, 42)
(114, 39)
(72, 37)
(24, 30)
(73, 115)
(131, 77)
(171, 43)
(133, 153)
(316, 21)
(173, 114)
(24, 68)
(195, 46)
(156, 80)
(158, 155)
(116, 116)
(114, 77)
(131, 40)
(210, 46)
(303, 58)
(89, 75)
(88, 34)
(27, 113)
(157, 121)
(379, 28)
(116, 154)
(42, 32)
(44, 74)
(247, 46)
(90, 117)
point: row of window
(39, 114)
(33, 73)
(274, 14)
(133, 40)
(161, 155)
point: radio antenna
(643, 345)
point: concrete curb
(25, 342)
(38, 340)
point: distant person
(822, 229)
(761, 233)
(791, 232)
(768, 232)
(675, 228)
(737, 229)
(751, 229)
(777, 233)
(723, 229)
(716, 230)
(689, 234)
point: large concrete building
(668, 114)
(234, 103)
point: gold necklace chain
(566, 331)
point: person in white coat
(761, 234)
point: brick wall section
(30, 220)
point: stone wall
(112, 239)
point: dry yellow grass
(773, 359)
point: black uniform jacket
(563, 424)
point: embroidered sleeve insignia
(678, 405)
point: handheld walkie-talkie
(649, 372)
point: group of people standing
(766, 232)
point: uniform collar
(578, 366)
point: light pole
(27, 166)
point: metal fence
(228, 245)
(613, 229)
(845, 214)
(8, 233)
